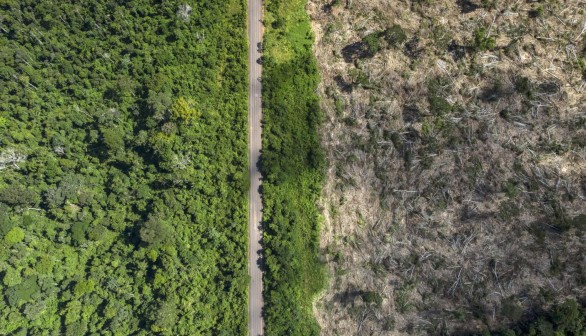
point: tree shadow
(411, 114)
(457, 51)
(467, 6)
(346, 87)
(354, 51)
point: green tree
(15, 235)
(11, 277)
(113, 139)
(569, 319)
(184, 109)
(155, 231)
(165, 316)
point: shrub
(568, 318)
(395, 35)
(439, 105)
(372, 298)
(512, 310)
(482, 41)
(372, 43)
(523, 85)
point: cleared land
(454, 135)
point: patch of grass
(523, 86)
(511, 189)
(402, 298)
(372, 298)
(389, 323)
(473, 170)
(441, 37)
(508, 210)
(439, 106)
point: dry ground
(456, 188)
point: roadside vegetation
(292, 166)
(455, 193)
(123, 167)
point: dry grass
(463, 217)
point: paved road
(255, 298)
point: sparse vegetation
(455, 184)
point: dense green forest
(123, 167)
(292, 164)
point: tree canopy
(123, 168)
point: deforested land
(455, 193)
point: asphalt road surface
(255, 298)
